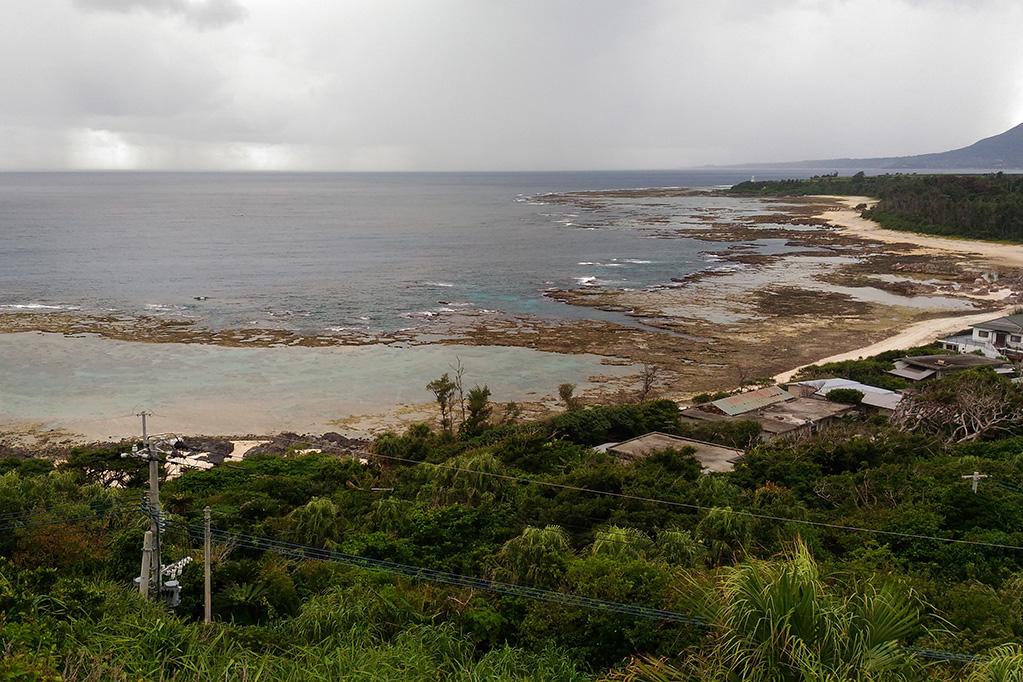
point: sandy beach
(848, 219)
(917, 334)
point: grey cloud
(199, 13)
(501, 85)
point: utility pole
(207, 580)
(154, 496)
(147, 564)
(975, 479)
(152, 580)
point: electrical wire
(263, 543)
(683, 505)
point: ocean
(316, 252)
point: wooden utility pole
(207, 578)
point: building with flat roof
(876, 398)
(923, 367)
(712, 457)
(789, 416)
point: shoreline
(839, 280)
(916, 334)
(849, 220)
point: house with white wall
(1002, 337)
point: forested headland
(509, 550)
(988, 206)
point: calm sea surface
(315, 251)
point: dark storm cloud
(199, 13)
(499, 84)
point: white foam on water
(37, 306)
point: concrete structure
(800, 417)
(741, 403)
(793, 417)
(711, 457)
(1002, 337)
(875, 398)
(924, 367)
(882, 403)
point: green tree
(1004, 665)
(781, 621)
(726, 534)
(679, 548)
(469, 479)
(444, 391)
(621, 543)
(537, 556)
(848, 396)
(479, 411)
(315, 523)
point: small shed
(712, 457)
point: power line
(264, 543)
(455, 579)
(60, 521)
(685, 505)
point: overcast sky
(498, 84)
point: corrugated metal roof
(1009, 323)
(752, 400)
(823, 386)
(887, 401)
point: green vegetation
(848, 396)
(978, 206)
(761, 561)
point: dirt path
(917, 334)
(851, 222)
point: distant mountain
(1004, 151)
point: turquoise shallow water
(92, 386)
